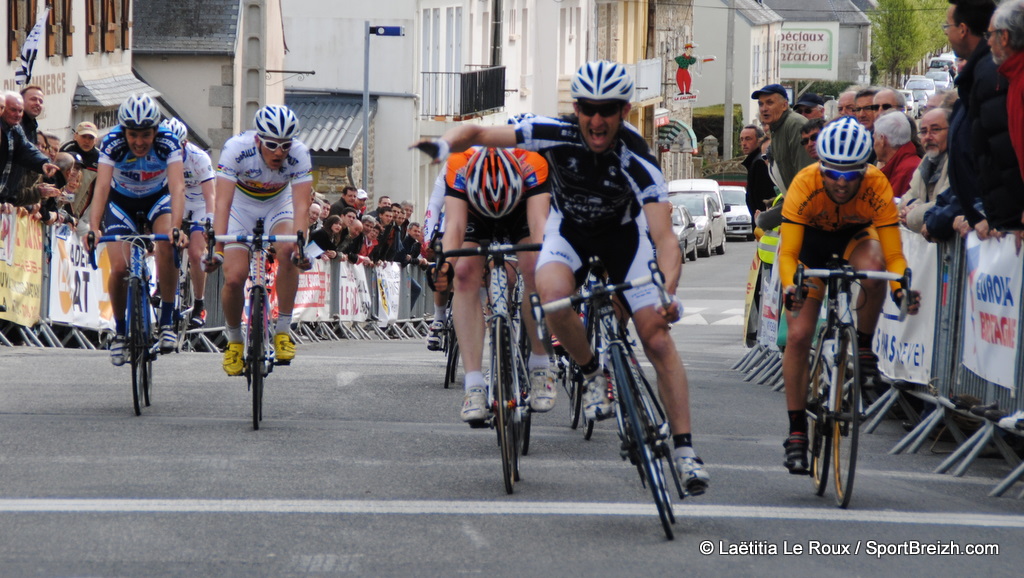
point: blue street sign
(388, 30)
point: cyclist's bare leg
(167, 273)
(236, 271)
(196, 252)
(795, 362)
(117, 254)
(287, 282)
(556, 281)
(868, 256)
(468, 311)
(660, 348)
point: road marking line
(436, 507)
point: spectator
(409, 209)
(329, 237)
(17, 153)
(966, 21)
(864, 108)
(401, 223)
(846, 103)
(895, 151)
(361, 197)
(43, 144)
(57, 192)
(350, 245)
(384, 202)
(810, 106)
(314, 213)
(84, 143)
(888, 100)
(929, 179)
(1006, 40)
(412, 246)
(760, 188)
(809, 137)
(789, 156)
(348, 199)
(388, 241)
(371, 232)
(32, 100)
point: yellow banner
(21, 269)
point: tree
(898, 37)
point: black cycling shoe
(868, 364)
(796, 454)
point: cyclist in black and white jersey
(610, 201)
(199, 207)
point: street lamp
(371, 31)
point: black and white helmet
(177, 128)
(602, 80)
(276, 121)
(845, 142)
(138, 111)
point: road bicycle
(642, 424)
(258, 353)
(568, 371)
(509, 391)
(141, 341)
(450, 347)
(835, 405)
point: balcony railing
(458, 94)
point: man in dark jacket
(759, 184)
(17, 153)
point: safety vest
(768, 243)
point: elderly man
(846, 103)
(930, 178)
(888, 100)
(759, 183)
(895, 151)
(17, 151)
(1006, 39)
(864, 108)
(810, 106)
(773, 108)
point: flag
(30, 49)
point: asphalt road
(362, 467)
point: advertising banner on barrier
(311, 298)
(78, 293)
(389, 276)
(21, 269)
(991, 308)
(768, 333)
(905, 349)
(353, 300)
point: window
(59, 29)
(21, 17)
(92, 26)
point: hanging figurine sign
(684, 79)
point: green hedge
(711, 120)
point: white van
(697, 186)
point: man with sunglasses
(809, 137)
(262, 174)
(810, 106)
(840, 205)
(610, 201)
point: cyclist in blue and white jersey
(199, 207)
(262, 174)
(610, 201)
(433, 227)
(140, 172)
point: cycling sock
(166, 313)
(798, 421)
(440, 312)
(474, 379)
(119, 326)
(591, 369)
(198, 306)
(284, 323)
(682, 440)
(234, 333)
(863, 340)
(537, 361)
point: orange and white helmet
(494, 182)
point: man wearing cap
(811, 106)
(361, 197)
(83, 143)
(774, 111)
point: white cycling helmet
(138, 111)
(602, 80)
(844, 142)
(177, 128)
(494, 182)
(276, 121)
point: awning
(329, 123)
(677, 132)
(110, 91)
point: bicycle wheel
(638, 437)
(185, 302)
(818, 432)
(255, 352)
(572, 383)
(505, 404)
(452, 351)
(136, 343)
(846, 420)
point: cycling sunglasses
(845, 175)
(273, 145)
(606, 110)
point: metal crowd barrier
(950, 380)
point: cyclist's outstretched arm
(100, 196)
(460, 138)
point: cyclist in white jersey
(433, 226)
(609, 200)
(199, 207)
(262, 174)
(140, 172)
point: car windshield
(734, 196)
(693, 203)
(921, 85)
(920, 95)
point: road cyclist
(262, 174)
(610, 201)
(140, 171)
(844, 206)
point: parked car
(708, 218)
(697, 186)
(738, 222)
(945, 62)
(920, 84)
(913, 107)
(686, 231)
(941, 78)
